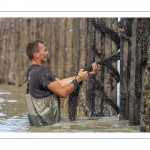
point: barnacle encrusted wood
(107, 62)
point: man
(44, 89)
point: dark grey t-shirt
(37, 79)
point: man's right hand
(83, 75)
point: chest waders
(43, 111)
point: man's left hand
(95, 67)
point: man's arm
(58, 89)
(68, 80)
(65, 81)
(64, 90)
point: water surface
(13, 117)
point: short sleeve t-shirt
(37, 79)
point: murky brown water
(13, 117)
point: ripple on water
(2, 100)
(2, 114)
(11, 100)
(14, 125)
(5, 93)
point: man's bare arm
(65, 81)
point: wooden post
(145, 95)
(52, 46)
(68, 49)
(114, 50)
(107, 76)
(68, 52)
(124, 98)
(90, 95)
(82, 63)
(133, 99)
(99, 45)
(61, 57)
(11, 58)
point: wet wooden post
(76, 45)
(4, 52)
(47, 33)
(49, 41)
(68, 48)
(1, 51)
(1, 80)
(18, 51)
(145, 101)
(21, 51)
(82, 64)
(11, 58)
(124, 95)
(133, 99)
(90, 103)
(114, 51)
(42, 29)
(68, 52)
(107, 76)
(145, 96)
(61, 56)
(52, 46)
(57, 44)
(61, 48)
(2, 40)
(25, 38)
(7, 51)
(124, 71)
(99, 45)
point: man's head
(33, 47)
(36, 50)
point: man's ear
(36, 55)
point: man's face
(43, 53)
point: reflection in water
(13, 117)
(4, 93)
(11, 100)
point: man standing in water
(44, 89)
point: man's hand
(95, 67)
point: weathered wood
(22, 72)
(68, 52)
(107, 76)
(17, 52)
(46, 39)
(68, 48)
(99, 40)
(76, 45)
(124, 99)
(61, 57)
(133, 100)
(3, 32)
(25, 41)
(145, 95)
(90, 95)
(52, 46)
(1, 52)
(11, 74)
(7, 51)
(82, 63)
(114, 50)
(61, 52)
(145, 100)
